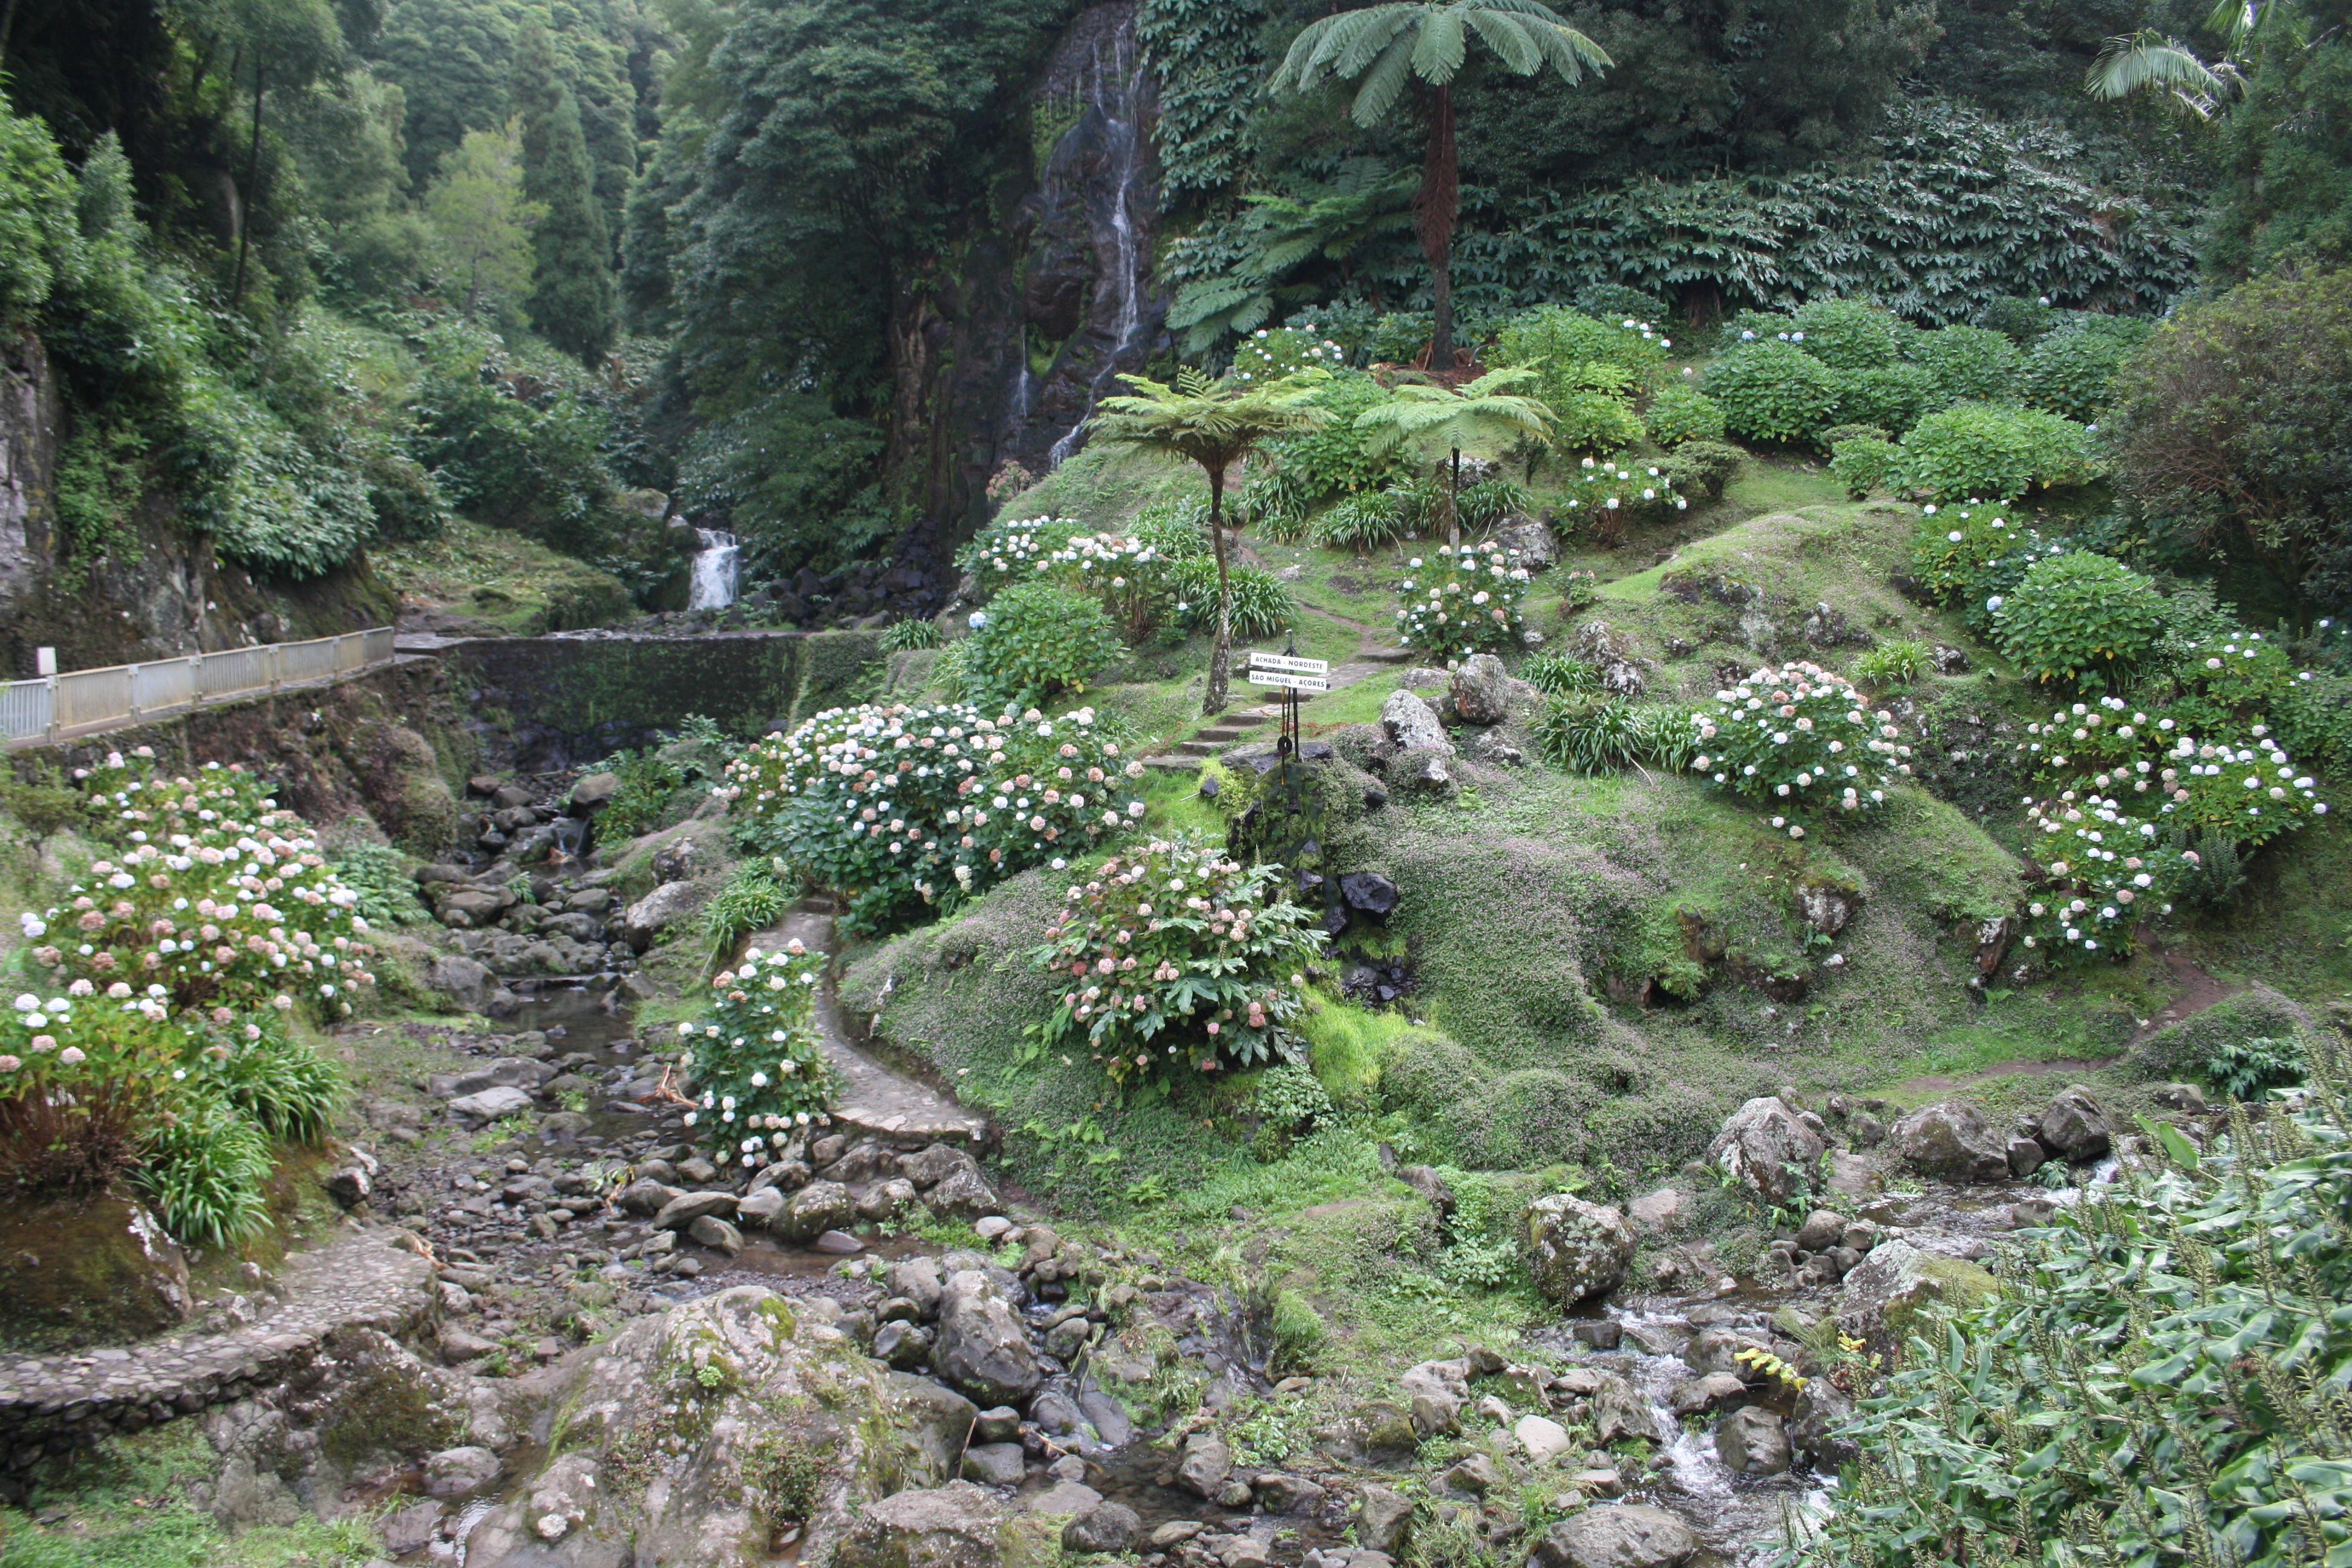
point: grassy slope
(511, 585)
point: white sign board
(1282, 677)
(1286, 661)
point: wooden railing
(86, 701)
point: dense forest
(315, 275)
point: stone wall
(557, 701)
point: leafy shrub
(757, 1057)
(1798, 736)
(1702, 468)
(1592, 418)
(1360, 523)
(2018, 319)
(378, 876)
(1616, 302)
(205, 1171)
(1262, 604)
(2109, 875)
(1679, 414)
(1901, 661)
(2314, 720)
(1829, 438)
(1593, 735)
(2153, 1379)
(2248, 1070)
(1772, 391)
(2073, 372)
(1270, 353)
(1973, 557)
(649, 782)
(279, 1085)
(1033, 641)
(1969, 365)
(1606, 496)
(1485, 504)
(1893, 397)
(1174, 529)
(904, 637)
(1846, 334)
(1861, 463)
(2078, 619)
(1558, 341)
(218, 900)
(1578, 591)
(1175, 958)
(757, 894)
(1559, 673)
(1976, 451)
(1340, 457)
(1460, 602)
(2233, 424)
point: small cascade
(1103, 164)
(716, 566)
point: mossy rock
(1939, 1285)
(88, 1271)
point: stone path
(874, 1098)
(1372, 656)
(358, 1281)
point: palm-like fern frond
(1387, 46)
(1479, 413)
(2139, 62)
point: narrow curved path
(874, 1098)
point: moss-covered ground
(1605, 965)
(476, 577)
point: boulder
(1949, 1140)
(1383, 1519)
(817, 1208)
(1480, 691)
(1751, 1441)
(759, 1208)
(954, 1526)
(464, 982)
(1543, 1438)
(1368, 891)
(994, 1464)
(657, 912)
(1622, 1535)
(718, 1234)
(1766, 1146)
(1206, 1464)
(982, 1348)
(1105, 1527)
(595, 790)
(2025, 1156)
(1888, 1292)
(681, 1212)
(1576, 1249)
(1619, 1411)
(1823, 1229)
(491, 1104)
(2077, 1127)
(1536, 545)
(1820, 1410)
(964, 1194)
(934, 1163)
(1412, 724)
(454, 1471)
(1658, 1213)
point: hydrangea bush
(1772, 391)
(212, 898)
(1459, 602)
(2078, 619)
(2109, 874)
(1977, 449)
(1974, 556)
(2238, 783)
(1176, 959)
(1032, 642)
(1606, 496)
(758, 1064)
(896, 807)
(1272, 352)
(1799, 737)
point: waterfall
(715, 568)
(1113, 134)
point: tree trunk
(252, 190)
(1221, 652)
(1453, 504)
(1434, 208)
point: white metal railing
(83, 701)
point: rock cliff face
(162, 593)
(1042, 309)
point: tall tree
(481, 222)
(1215, 424)
(1390, 46)
(570, 299)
